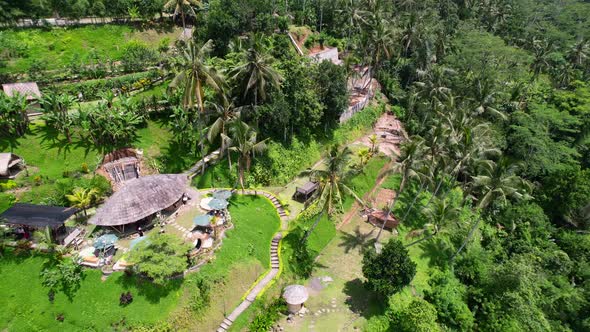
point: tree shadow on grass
(362, 301)
(355, 240)
(437, 251)
(145, 288)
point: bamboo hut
(139, 200)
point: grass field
(243, 256)
(94, 307)
(57, 46)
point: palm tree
(364, 155)
(243, 140)
(255, 75)
(411, 152)
(579, 53)
(332, 186)
(180, 7)
(226, 113)
(82, 198)
(500, 182)
(192, 73)
(438, 215)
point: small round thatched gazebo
(141, 199)
(295, 296)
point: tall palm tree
(438, 215)
(579, 53)
(255, 75)
(192, 74)
(332, 186)
(411, 152)
(243, 140)
(181, 6)
(499, 182)
(82, 198)
(225, 113)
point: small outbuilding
(295, 296)
(304, 192)
(28, 89)
(138, 201)
(26, 218)
(10, 165)
(378, 217)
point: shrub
(8, 185)
(200, 297)
(268, 316)
(390, 270)
(125, 299)
(136, 56)
(302, 261)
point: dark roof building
(37, 216)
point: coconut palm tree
(411, 152)
(332, 186)
(225, 113)
(193, 73)
(243, 140)
(254, 75)
(499, 182)
(181, 6)
(439, 213)
(82, 198)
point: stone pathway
(251, 297)
(275, 263)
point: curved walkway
(275, 263)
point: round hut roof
(140, 198)
(295, 294)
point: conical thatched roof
(295, 294)
(140, 198)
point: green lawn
(94, 307)
(52, 159)
(243, 257)
(57, 46)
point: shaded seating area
(138, 202)
(24, 219)
(10, 165)
(303, 193)
(378, 217)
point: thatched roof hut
(295, 296)
(141, 198)
(9, 164)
